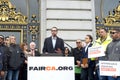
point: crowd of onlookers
(13, 57)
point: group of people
(110, 42)
(13, 57)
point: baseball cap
(1, 36)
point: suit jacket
(48, 46)
(86, 52)
(90, 62)
(37, 53)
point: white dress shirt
(87, 46)
(54, 41)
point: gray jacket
(15, 58)
(113, 51)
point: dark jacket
(16, 57)
(37, 53)
(86, 52)
(77, 54)
(4, 51)
(48, 47)
(85, 55)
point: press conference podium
(77, 69)
(53, 65)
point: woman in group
(23, 71)
(66, 52)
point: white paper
(94, 52)
(109, 68)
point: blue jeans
(12, 74)
(101, 77)
(111, 78)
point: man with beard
(103, 40)
(113, 50)
(53, 44)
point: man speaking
(53, 44)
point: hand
(78, 63)
(84, 65)
(30, 53)
(26, 61)
(58, 50)
(114, 76)
(96, 58)
(46, 52)
(2, 73)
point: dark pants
(77, 76)
(23, 72)
(87, 74)
(111, 78)
(101, 77)
(24, 75)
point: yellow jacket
(103, 44)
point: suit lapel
(88, 47)
(50, 43)
(56, 42)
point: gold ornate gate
(15, 23)
(111, 21)
(12, 22)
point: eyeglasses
(86, 38)
(54, 30)
(113, 32)
(78, 42)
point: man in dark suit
(88, 65)
(53, 44)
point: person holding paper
(113, 50)
(88, 66)
(103, 40)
